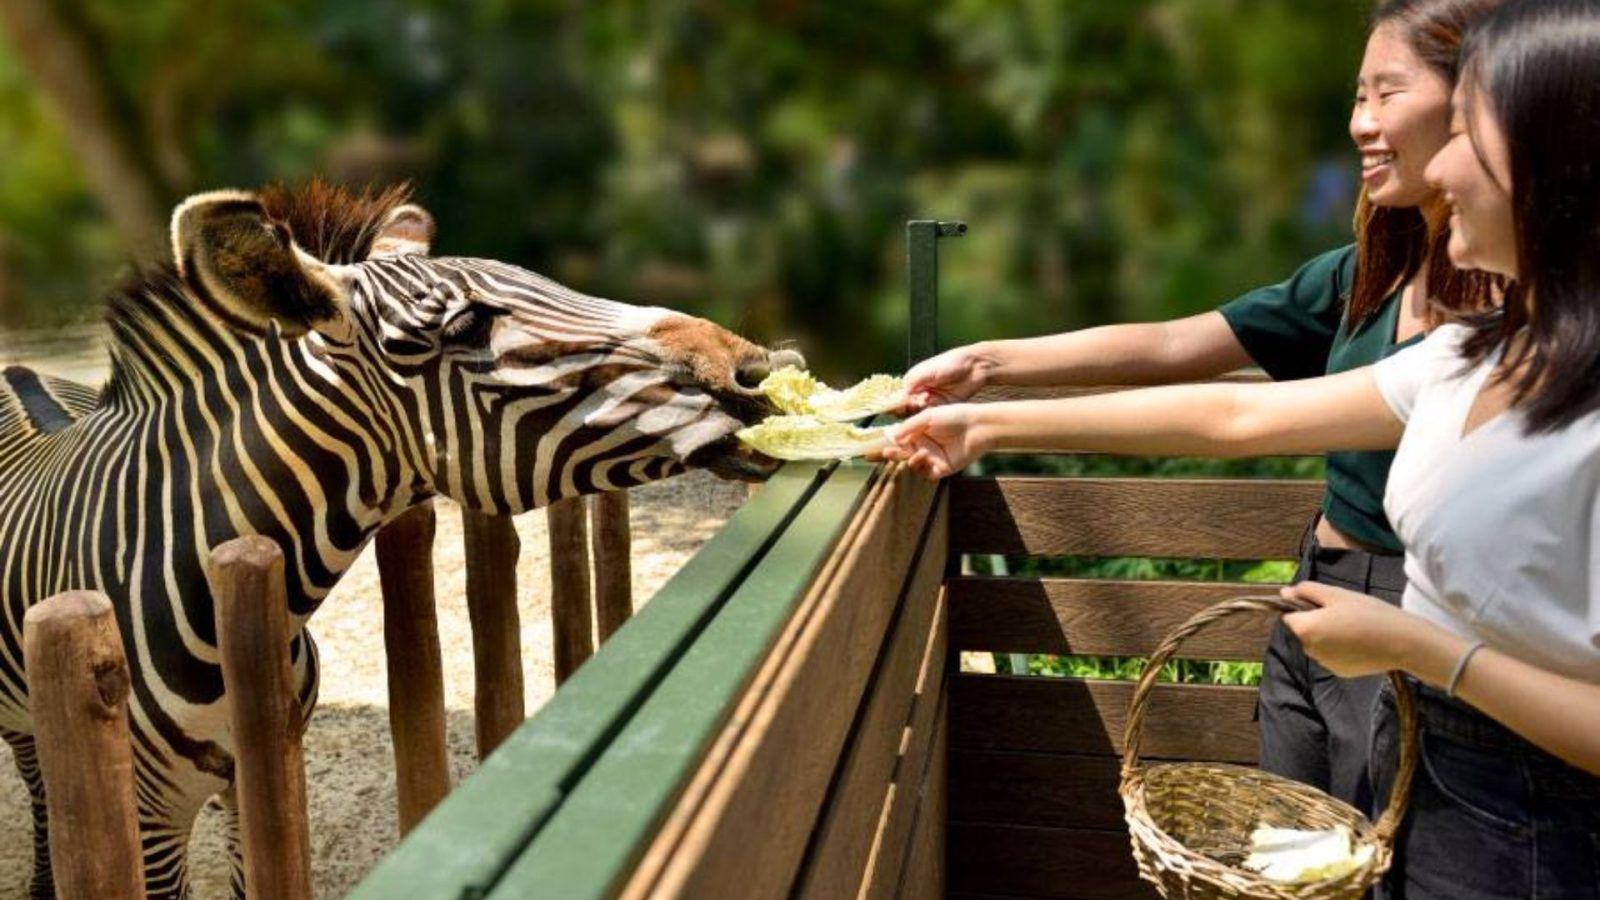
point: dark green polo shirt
(1296, 329)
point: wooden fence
(411, 630)
(771, 722)
(1034, 761)
(79, 685)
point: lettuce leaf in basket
(797, 393)
(811, 437)
(1293, 856)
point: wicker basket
(1191, 822)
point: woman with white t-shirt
(1494, 491)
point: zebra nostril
(749, 375)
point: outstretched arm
(1336, 412)
(1188, 349)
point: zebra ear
(246, 269)
(408, 229)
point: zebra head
(511, 390)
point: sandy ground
(349, 759)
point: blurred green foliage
(1131, 668)
(751, 161)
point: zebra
(304, 369)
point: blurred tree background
(749, 161)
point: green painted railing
(566, 805)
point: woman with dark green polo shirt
(1342, 310)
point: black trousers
(1492, 817)
(1316, 727)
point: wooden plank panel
(606, 820)
(1099, 618)
(781, 753)
(523, 782)
(1004, 787)
(1044, 862)
(1070, 715)
(1221, 518)
(923, 875)
(924, 747)
(912, 660)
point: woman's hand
(938, 442)
(951, 377)
(1351, 634)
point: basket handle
(1405, 707)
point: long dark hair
(1536, 64)
(1393, 243)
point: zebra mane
(332, 223)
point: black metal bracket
(922, 271)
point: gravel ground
(349, 760)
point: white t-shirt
(1501, 530)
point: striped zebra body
(467, 378)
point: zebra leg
(41, 885)
(171, 795)
(166, 858)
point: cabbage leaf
(797, 393)
(811, 437)
(1293, 856)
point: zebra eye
(470, 326)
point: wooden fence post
(78, 694)
(415, 666)
(492, 548)
(613, 561)
(253, 633)
(570, 615)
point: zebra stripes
(230, 413)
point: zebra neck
(263, 436)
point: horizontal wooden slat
(1080, 864)
(1070, 715)
(1047, 789)
(1099, 618)
(1233, 518)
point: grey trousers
(1316, 727)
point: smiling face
(1400, 119)
(1473, 171)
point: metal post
(922, 271)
